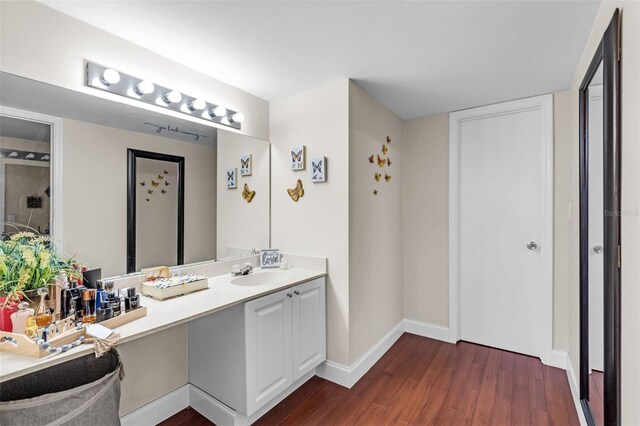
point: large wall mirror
(137, 188)
(600, 233)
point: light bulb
(30, 156)
(46, 157)
(197, 104)
(13, 154)
(219, 111)
(238, 117)
(145, 87)
(172, 97)
(110, 76)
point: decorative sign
(297, 157)
(246, 165)
(270, 258)
(232, 181)
(318, 169)
(175, 129)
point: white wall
(630, 86)
(318, 224)
(94, 179)
(375, 223)
(241, 224)
(43, 44)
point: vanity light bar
(111, 80)
(15, 154)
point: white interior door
(503, 151)
(596, 223)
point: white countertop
(221, 294)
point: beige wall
(375, 224)
(40, 43)
(630, 110)
(94, 179)
(240, 224)
(426, 219)
(318, 224)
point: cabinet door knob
(289, 295)
(296, 292)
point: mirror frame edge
(609, 54)
(132, 156)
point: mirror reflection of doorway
(25, 176)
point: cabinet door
(268, 342)
(309, 337)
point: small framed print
(270, 258)
(232, 178)
(319, 169)
(297, 157)
(246, 165)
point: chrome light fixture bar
(15, 154)
(114, 81)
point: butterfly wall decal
(388, 139)
(143, 183)
(384, 149)
(231, 178)
(381, 161)
(245, 165)
(166, 172)
(160, 177)
(297, 192)
(154, 183)
(371, 159)
(248, 195)
(389, 161)
(377, 177)
(297, 157)
(166, 183)
(375, 192)
(149, 191)
(164, 191)
(148, 199)
(387, 177)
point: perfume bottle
(89, 305)
(43, 315)
(101, 294)
(105, 311)
(20, 317)
(131, 300)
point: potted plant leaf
(28, 262)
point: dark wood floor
(421, 381)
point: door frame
(544, 104)
(55, 168)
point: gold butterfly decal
(160, 177)
(371, 160)
(143, 183)
(387, 177)
(375, 192)
(149, 191)
(164, 191)
(166, 183)
(389, 161)
(154, 183)
(384, 149)
(296, 192)
(377, 177)
(388, 139)
(381, 161)
(248, 195)
(166, 172)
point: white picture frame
(297, 154)
(318, 169)
(246, 165)
(231, 176)
(270, 258)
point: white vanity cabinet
(246, 355)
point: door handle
(532, 245)
(598, 249)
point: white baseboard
(557, 359)
(427, 330)
(222, 415)
(348, 376)
(575, 389)
(158, 410)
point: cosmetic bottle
(105, 311)
(114, 302)
(131, 300)
(89, 305)
(101, 294)
(20, 317)
(43, 315)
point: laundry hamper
(83, 391)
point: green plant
(29, 261)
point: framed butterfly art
(319, 169)
(246, 165)
(297, 157)
(232, 178)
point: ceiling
(417, 58)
